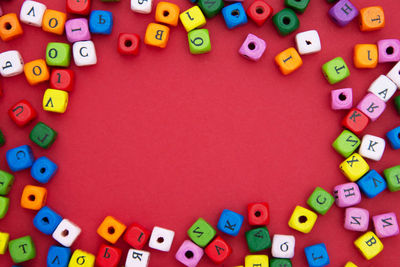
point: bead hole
(389, 50)
(189, 254)
(42, 170)
(65, 233)
(32, 197)
(128, 43)
(251, 46)
(166, 13)
(257, 213)
(342, 97)
(7, 26)
(111, 230)
(308, 42)
(286, 20)
(302, 219)
(160, 239)
(45, 220)
(259, 10)
(235, 13)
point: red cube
(259, 11)
(218, 250)
(62, 79)
(128, 43)
(80, 7)
(355, 121)
(258, 213)
(108, 256)
(136, 236)
(22, 113)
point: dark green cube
(2, 139)
(6, 181)
(297, 5)
(22, 249)
(201, 232)
(43, 135)
(286, 21)
(258, 239)
(397, 103)
(275, 262)
(211, 8)
(392, 176)
(320, 201)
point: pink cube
(342, 98)
(386, 225)
(347, 195)
(189, 253)
(356, 219)
(389, 50)
(372, 106)
(77, 30)
(253, 47)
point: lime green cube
(258, 239)
(392, 176)
(4, 203)
(2, 139)
(346, 143)
(58, 54)
(201, 232)
(6, 181)
(199, 41)
(22, 249)
(320, 201)
(211, 8)
(43, 135)
(275, 262)
(335, 70)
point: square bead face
(192, 18)
(389, 50)
(297, 5)
(383, 88)
(46, 220)
(78, 255)
(36, 72)
(22, 113)
(317, 255)
(12, 63)
(394, 137)
(302, 219)
(356, 219)
(20, 158)
(369, 245)
(392, 176)
(189, 253)
(365, 56)
(78, 7)
(308, 42)
(320, 201)
(4, 204)
(283, 246)
(4, 238)
(253, 47)
(142, 6)
(161, 239)
(354, 167)
(286, 21)
(211, 8)
(33, 197)
(167, 13)
(355, 121)
(6, 182)
(43, 169)
(234, 15)
(343, 12)
(259, 11)
(258, 239)
(137, 258)
(372, 18)
(372, 184)
(77, 30)
(66, 233)
(394, 74)
(288, 60)
(22, 249)
(258, 213)
(10, 28)
(230, 222)
(199, 41)
(62, 79)
(100, 22)
(156, 35)
(201, 232)
(55, 100)
(136, 236)
(84, 53)
(111, 229)
(372, 106)
(335, 70)
(32, 13)
(54, 21)
(43, 135)
(58, 54)
(347, 195)
(58, 256)
(108, 256)
(386, 225)
(342, 98)
(372, 147)
(256, 260)
(218, 250)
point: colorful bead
(55, 100)
(78, 7)
(343, 12)
(211, 8)
(320, 201)
(286, 21)
(167, 13)
(161, 239)
(354, 167)
(383, 88)
(156, 35)
(259, 11)
(372, 106)
(22, 249)
(234, 15)
(10, 28)
(54, 21)
(128, 43)
(335, 70)
(394, 138)
(32, 13)
(256, 260)
(288, 61)
(62, 79)
(372, 147)
(81, 258)
(302, 220)
(58, 54)
(77, 30)
(258, 239)
(372, 18)
(308, 42)
(392, 176)
(84, 53)
(230, 222)
(22, 113)
(111, 229)
(2, 139)
(66, 233)
(372, 184)
(58, 256)
(389, 50)
(297, 5)
(189, 253)
(201, 232)
(386, 225)
(108, 256)
(4, 238)
(4, 204)
(36, 72)
(350, 264)
(43, 136)
(355, 121)
(253, 47)
(199, 41)
(100, 22)
(6, 182)
(218, 250)
(47, 220)
(394, 74)
(192, 18)
(347, 195)
(11, 63)
(136, 236)
(356, 219)
(20, 158)
(142, 6)
(137, 258)
(33, 197)
(275, 262)
(369, 245)
(396, 102)
(258, 213)
(365, 56)
(283, 246)
(317, 255)
(342, 99)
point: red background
(166, 137)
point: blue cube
(394, 137)
(100, 22)
(46, 220)
(372, 183)
(43, 169)
(234, 15)
(230, 222)
(58, 256)
(317, 255)
(20, 158)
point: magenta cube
(386, 225)
(372, 106)
(189, 253)
(389, 50)
(356, 219)
(253, 47)
(343, 12)
(342, 98)
(347, 195)
(77, 30)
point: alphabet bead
(43, 136)
(77, 30)
(386, 225)
(258, 239)
(297, 5)
(343, 12)
(58, 54)
(286, 21)
(288, 61)
(211, 8)
(302, 220)
(354, 167)
(54, 21)
(258, 213)
(230, 222)
(36, 72)
(58, 256)
(32, 13)
(62, 79)
(389, 50)
(283, 246)
(81, 258)
(317, 255)
(136, 236)
(372, 106)
(156, 35)
(20, 158)
(33, 197)
(128, 43)
(199, 41)
(43, 169)
(78, 7)
(342, 98)
(108, 256)
(189, 253)
(55, 100)
(275, 262)
(4, 204)
(335, 70)
(394, 137)
(11, 63)
(392, 176)
(137, 258)
(218, 250)
(372, 18)
(356, 219)
(22, 249)
(308, 42)
(369, 245)
(142, 6)
(6, 182)
(22, 113)
(372, 184)
(4, 238)
(365, 56)
(350, 264)
(372, 147)
(201, 232)
(100, 22)
(84, 53)
(192, 18)
(259, 11)
(234, 15)
(355, 121)
(256, 260)
(66, 233)
(167, 13)
(347, 195)
(320, 201)
(394, 74)
(161, 239)
(383, 88)
(111, 229)
(253, 47)
(46, 220)
(10, 28)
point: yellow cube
(55, 100)
(369, 245)
(288, 60)
(350, 264)
(256, 260)
(192, 18)
(36, 71)
(111, 229)
(4, 238)
(54, 21)
(156, 35)
(354, 167)
(365, 56)
(81, 258)
(302, 219)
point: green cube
(58, 54)
(392, 176)
(320, 201)
(22, 249)
(286, 21)
(199, 41)
(335, 70)
(201, 232)
(4, 203)
(43, 135)
(397, 103)
(2, 139)
(297, 5)
(346, 143)
(258, 239)
(6, 181)
(275, 262)
(211, 8)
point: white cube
(283, 246)
(308, 42)
(142, 6)
(32, 13)
(137, 258)
(66, 233)
(161, 239)
(84, 53)
(11, 63)
(383, 88)
(394, 74)
(372, 147)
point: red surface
(166, 137)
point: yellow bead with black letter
(354, 167)
(369, 245)
(256, 260)
(55, 100)
(192, 18)
(81, 258)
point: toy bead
(372, 18)
(199, 41)
(108, 256)
(6, 182)
(100, 22)
(308, 42)
(4, 204)
(259, 11)
(372, 184)
(84, 53)
(55, 100)
(394, 74)
(201, 232)
(288, 61)
(46, 220)
(389, 50)
(22, 249)
(335, 70)
(365, 56)
(372, 147)
(137, 258)
(58, 256)
(36, 72)
(392, 176)
(386, 225)
(77, 30)
(161, 239)
(253, 47)
(22, 113)
(283, 246)
(62, 79)
(81, 258)
(354, 167)
(302, 219)
(189, 253)
(286, 21)
(297, 5)
(356, 219)
(394, 137)
(4, 238)
(372, 106)
(342, 99)
(317, 255)
(383, 88)
(258, 213)
(346, 143)
(167, 13)
(230, 222)
(192, 18)
(369, 245)
(136, 236)
(211, 8)
(66, 233)
(258, 239)
(78, 7)
(111, 229)
(20, 158)
(343, 12)
(156, 35)
(355, 121)
(128, 43)
(33, 197)
(58, 54)
(142, 6)
(32, 13)
(320, 201)
(347, 195)
(54, 21)
(234, 15)
(218, 250)
(11, 63)
(43, 169)
(256, 260)
(10, 28)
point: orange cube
(288, 60)
(167, 13)
(365, 56)
(36, 71)
(111, 229)
(372, 18)
(156, 35)
(33, 197)
(10, 27)
(54, 21)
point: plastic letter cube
(66, 233)
(343, 12)
(256, 261)
(218, 250)
(258, 213)
(58, 54)
(22, 249)
(369, 245)
(192, 18)
(275, 262)
(32, 13)
(137, 258)
(253, 47)
(283, 246)
(302, 219)
(201, 232)
(62, 79)
(77, 30)
(6, 182)
(46, 220)
(320, 201)
(4, 204)
(211, 8)
(234, 15)
(308, 42)
(54, 21)
(286, 21)
(108, 256)
(288, 60)
(354, 167)
(136, 236)
(297, 5)
(372, 147)
(58, 256)
(365, 56)
(346, 143)
(394, 74)
(372, 106)
(142, 6)
(4, 238)
(386, 225)
(350, 264)
(383, 88)
(372, 184)
(43, 136)
(356, 219)
(111, 229)
(33, 197)
(20, 158)
(100, 22)
(11, 63)
(317, 255)
(156, 35)
(161, 239)
(199, 41)
(189, 253)
(389, 50)
(167, 13)
(258, 239)
(84, 53)
(335, 70)
(36, 71)
(372, 18)
(230, 222)
(22, 113)
(394, 137)
(259, 11)
(355, 121)
(55, 100)
(347, 195)
(78, 7)
(10, 28)
(392, 176)
(43, 169)
(81, 258)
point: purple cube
(343, 12)
(342, 98)
(77, 30)
(189, 253)
(386, 225)
(372, 106)
(389, 50)
(253, 47)
(356, 219)
(347, 195)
